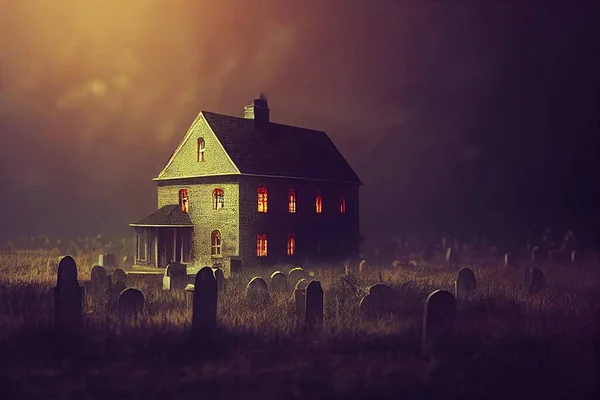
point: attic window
(261, 245)
(201, 148)
(319, 202)
(218, 199)
(292, 201)
(342, 204)
(215, 244)
(184, 200)
(262, 199)
(291, 244)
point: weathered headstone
(106, 260)
(295, 275)
(465, 285)
(279, 282)
(314, 306)
(99, 281)
(536, 280)
(299, 297)
(119, 275)
(539, 255)
(68, 298)
(363, 267)
(131, 303)
(451, 256)
(438, 321)
(220, 277)
(175, 277)
(189, 295)
(378, 302)
(510, 260)
(257, 291)
(206, 292)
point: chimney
(258, 111)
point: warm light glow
(215, 244)
(261, 245)
(201, 148)
(319, 203)
(292, 201)
(184, 200)
(262, 199)
(291, 244)
(343, 204)
(218, 199)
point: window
(215, 244)
(184, 200)
(201, 148)
(343, 204)
(292, 201)
(261, 245)
(262, 199)
(291, 244)
(319, 202)
(218, 199)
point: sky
(457, 117)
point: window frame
(292, 201)
(184, 194)
(218, 193)
(291, 244)
(201, 149)
(216, 244)
(263, 199)
(262, 245)
(319, 202)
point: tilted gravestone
(220, 277)
(68, 298)
(536, 280)
(279, 282)
(99, 281)
(314, 306)
(257, 292)
(510, 260)
(438, 321)
(119, 275)
(295, 275)
(378, 301)
(465, 285)
(131, 303)
(206, 292)
(175, 277)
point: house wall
(204, 217)
(330, 228)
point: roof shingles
(169, 216)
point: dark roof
(280, 150)
(169, 215)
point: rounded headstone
(131, 302)
(295, 275)
(257, 291)
(465, 285)
(510, 260)
(536, 280)
(314, 305)
(279, 282)
(205, 299)
(439, 320)
(220, 277)
(539, 255)
(363, 267)
(67, 272)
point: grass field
(510, 344)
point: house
(245, 190)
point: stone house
(248, 191)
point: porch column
(155, 234)
(174, 245)
(137, 248)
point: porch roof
(169, 216)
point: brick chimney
(258, 111)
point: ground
(509, 344)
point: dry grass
(543, 341)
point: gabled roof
(167, 216)
(280, 150)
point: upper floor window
(262, 199)
(201, 148)
(218, 199)
(319, 202)
(215, 244)
(291, 244)
(343, 204)
(184, 200)
(292, 201)
(261, 245)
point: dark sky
(458, 117)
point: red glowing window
(319, 203)
(218, 199)
(291, 244)
(292, 201)
(184, 200)
(262, 199)
(261, 245)
(343, 204)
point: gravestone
(204, 313)
(314, 306)
(363, 267)
(279, 282)
(510, 260)
(119, 275)
(295, 275)
(189, 295)
(99, 281)
(539, 255)
(576, 258)
(220, 277)
(378, 302)
(439, 321)
(131, 303)
(536, 280)
(451, 256)
(68, 298)
(175, 277)
(465, 285)
(107, 260)
(299, 297)
(257, 291)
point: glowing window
(261, 245)
(215, 244)
(262, 199)
(184, 200)
(343, 204)
(201, 148)
(319, 203)
(292, 201)
(218, 199)
(291, 244)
